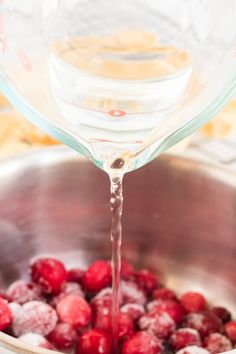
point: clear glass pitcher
(118, 79)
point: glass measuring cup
(118, 80)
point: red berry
(97, 277)
(63, 336)
(36, 340)
(193, 302)
(76, 275)
(217, 343)
(184, 337)
(75, 310)
(34, 317)
(131, 294)
(230, 329)
(5, 314)
(50, 274)
(147, 281)
(5, 296)
(160, 324)
(69, 288)
(204, 322)
(127, 270)
(94, 341)
(142, 343)
(102, 301)
(133, 310)
(192, 349)
(22, 291)
(164, 294)
(223, 314)
(173, 309)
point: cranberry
(217, 343)
(193, 302)
(142, 343)
(204, 322)
(49, 273)
(173, 309)
(103, 321)
(36, 340)
(94, 341)
(223, 314)
(184, 337)
(76, 275)
(97, 277)
(5, 314)
(133, 310)
(127, 270)
(75, 310)
(230, 329)
(5, 296)
(147, 281)
(131, 294)
(63, 336)
(22, 291)
(34, 317)
(164, 294)
(69, 288)
(159, 323)
(192, 349)
(102, 301)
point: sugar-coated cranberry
(193, 302)
(159, 323)
(164, 294)
(184, 337)
(217, 343)
(230, 330)
(76, 275)
(34, 317)
(94, 341)
(22, 291)
(133, 310)
(5, 314)
(131, 294)
(173, 308)
(193, 349)
(204, 322)
(222, 313)
(75, 310)
(97, 277)
(63, 336)
(49, 273)
(127, 270)
(142, 343)
(36, 340)
(147, 281)
(69, 288)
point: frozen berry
(131, 294)
(142, 343)
(164, 294)
(36, 340)
(204, 322)
(217, 343)
(34, 317)
(222, 313)
(22, 291)
(159, 323)
(192, 349)
(102, 301)
(63, 336)
(98, 276)
(5, 314)
(173, 309)
(133, 310)
(94, 341)
(49, 273)
(184, 337)
(15, 307)
(125, 324)
(193, 302)
(76, 275)
(230, 329)
(5, 296)
(69, 288)
(147, 281)
(75, 310)
(127, 270)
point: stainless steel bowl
(179, 219)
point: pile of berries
(71, 310)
